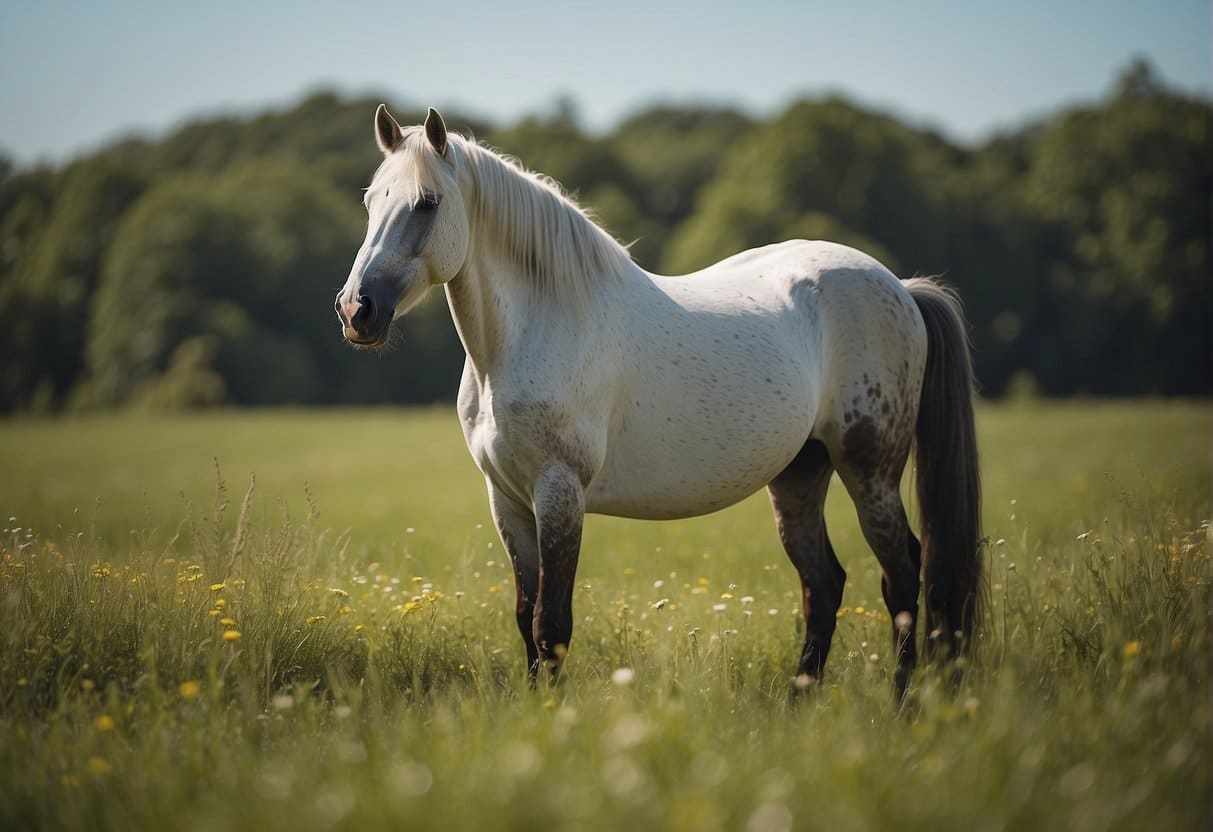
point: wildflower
(87, 684)
(103, 724)
(220, 603)
(340, 593)
(315, 619)
(189, 690)
(859, 610)
(231, 635)
(747, 599)
(346, 609)
(1131, 649)
(98, 766)
(703, 582)
(726, 596)
(772, 611)
(283, 701)
(623, 676)
(660, 603)
(228, 622)
(218, 587)
(718, 608)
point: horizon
(68, 89)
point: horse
(593, 386)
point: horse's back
(729, 371)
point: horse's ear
(387, 131)
(435, 131)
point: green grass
(377, 679)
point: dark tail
(949, 487)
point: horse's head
(417, 236)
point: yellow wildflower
(231, 635)
(315, 619)
(103, 724)
(1131, 649)
(217, 587)
(189, 689)
(99, 766)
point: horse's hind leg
(872, 474)
(798, 497)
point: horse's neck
(495, 305)
(488, 304)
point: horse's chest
(512, 439)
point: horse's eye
(427, 203)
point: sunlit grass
(237, 663)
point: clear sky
(75, 74)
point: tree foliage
(200, 269)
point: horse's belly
(682, 464)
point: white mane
(555, 242)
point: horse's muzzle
(365, 321)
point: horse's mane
(560, 249)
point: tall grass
(276, 678)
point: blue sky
(74, 75)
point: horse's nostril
(366, 308)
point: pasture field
(336, 649)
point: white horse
(593, 386)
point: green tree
(1128, 185)
(54, 282)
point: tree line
(199, 269)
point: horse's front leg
(516, 525)
(559, 513)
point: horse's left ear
(435, 131)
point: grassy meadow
(333, 646)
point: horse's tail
(949, 487)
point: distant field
(376, 678)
